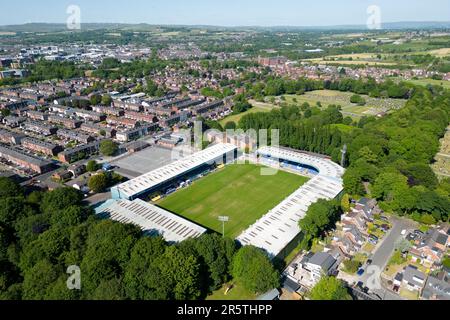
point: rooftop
(153, 178)
(151, 219)
(274, 231)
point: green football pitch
(238, 191)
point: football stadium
(188, 197)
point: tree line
(388, 159)
(392, 156)
(42, 233)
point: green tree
(59, 199)
(254, 271)
(329, 288)
(181, 273)
(107, 253)
(320, 217)
(38, 280)
(106, 100)
(345, 203)
(95, 99)
(142, 275)
(92, 166)
(8, 188)
(98, 183)
(5, 112)
(216, 254)
(109, 290)
(352, 266)
(108, 148)
(358, 100)
(230, 125)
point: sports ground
(238, 191)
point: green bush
(352, 266)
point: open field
(425, 82)
(236, 293)
(442, 160)
(352, 59)
(257, 107)
(440, 52)
(328, 97)
(238, 191)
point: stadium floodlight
(224, 219)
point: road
(98, 198)
(383, 253)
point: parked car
(369, 262)
(360, 272)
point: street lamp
(224, 219)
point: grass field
(353, 59)
(238, 191)
(237, 117)
(328, 97)
(440, 52)
(236, 293)
(441, 166)
(425, 82)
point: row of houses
(352, 232)
(24, 160)
(426, 276)
(425, 287)
(307, 269)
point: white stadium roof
(274, 231)
(134, 187)
(151, 219)
(324, 166)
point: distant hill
(60, 27)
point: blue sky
(225, 12)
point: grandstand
(151, 219)
(279, 227)
(306, 161)
(150, 182)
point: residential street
(383, 253)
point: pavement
(98, 198)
